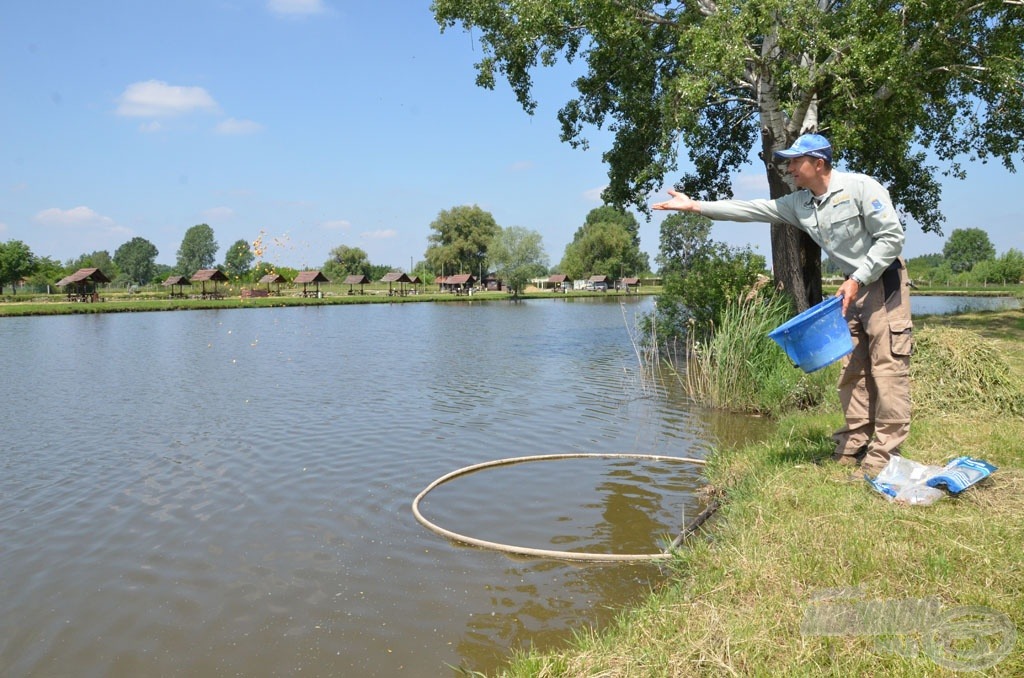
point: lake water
(217, 493)
(924, 304)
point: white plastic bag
(909, 482)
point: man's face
(804, 170)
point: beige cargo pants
(874, 387)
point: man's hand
(848, 291)
(679, 201)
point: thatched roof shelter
(399, 277)
(458, 283)
(209, 274)
(177, 280)
(356, 280)
(311, 278)
(559, 281)
(273, 279)
(82, 285)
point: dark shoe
(851, 459)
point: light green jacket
(856, 224)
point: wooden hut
(83, 284)
(314, 278)
(396, 277)
(356, 280)
(630, 284)
(178, 281)
(598, 282)
(459, 284)
(416, 282)
(273, 279)
(492, 283)
(206, 275)
(559, 282)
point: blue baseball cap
(813, 145)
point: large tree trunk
(796, 259)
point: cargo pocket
(901, 334)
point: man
(852, 218)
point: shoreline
(802, 572)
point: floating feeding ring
(525, 550)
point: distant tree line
(463, 239)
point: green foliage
(100, 259)
(606, 244)
(723, 80)
(516, 255)
(16, 262)
(738, 367)
(345, 261)
(613, 215)
(238, 260)
(198, 250)
(47, 272)
(701, 277)
(966, 247)
(459, 240)
(137, 259)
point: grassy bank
(126, 303)
(796, 545)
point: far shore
(121, 302)
(27, 304)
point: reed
(739, 368)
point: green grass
(793, 537)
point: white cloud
(296, 7)
(157, 99)
(76, 216)
(3, 227)
(382, 234)
(336, 225)
(521, 166)
(218, 214)
(234, 126)
(594, 194)
(151, 127)
(81, 227)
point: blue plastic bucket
(817, 337)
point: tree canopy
(16, 262)
(888, 82)
(459, 240)
(701, 277)
(606, 244)
(516, 255)
(345, 260)
(137, 260)
(238, 259)
(100, 259)
(966, 247)
(198, 250)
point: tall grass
(739, 368)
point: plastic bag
(909, 482)
(961, 473)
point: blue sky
(315, 123)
